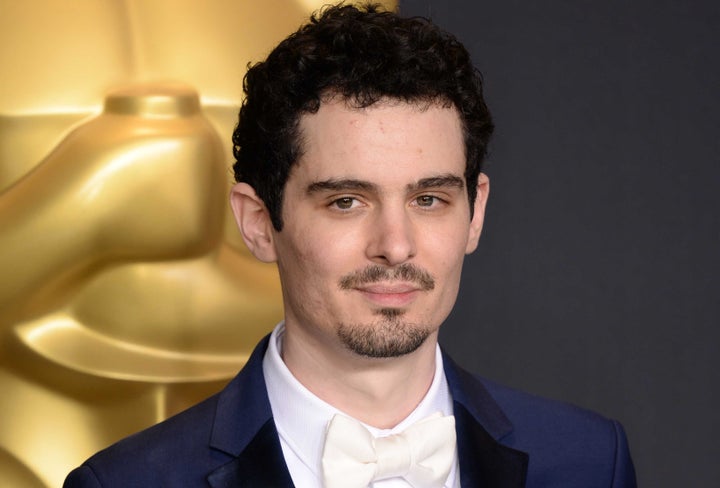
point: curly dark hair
(363, 54)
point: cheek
(307, 263)
(446, 250)
(302, 283)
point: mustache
(375, 273)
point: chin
(392, 335)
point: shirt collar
(301, 417)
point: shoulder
(184, 449)
(524, 408)
(535, 417)
(569, 445)
(171, 452)
(566, 445)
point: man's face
(376, 226)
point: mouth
(388, 295)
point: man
(359, 150)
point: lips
(389, 295)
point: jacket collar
(243, 428)
(481, 425)
(261, 463)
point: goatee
(388, 337)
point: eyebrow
(340, 185)
(347, 184)
(440, 181)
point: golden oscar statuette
(126, 293)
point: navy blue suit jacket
(506, 438)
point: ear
(253, 220)
(476, 224)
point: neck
(380, 392)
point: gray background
(596, 281)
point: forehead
(389, 138)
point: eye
(426, 200)
(344, 203)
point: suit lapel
(480, 425)
(261, 463)
(483, 461)
(243, 428)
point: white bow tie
(422, 454)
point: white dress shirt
(301, 418)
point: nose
(392, 238)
